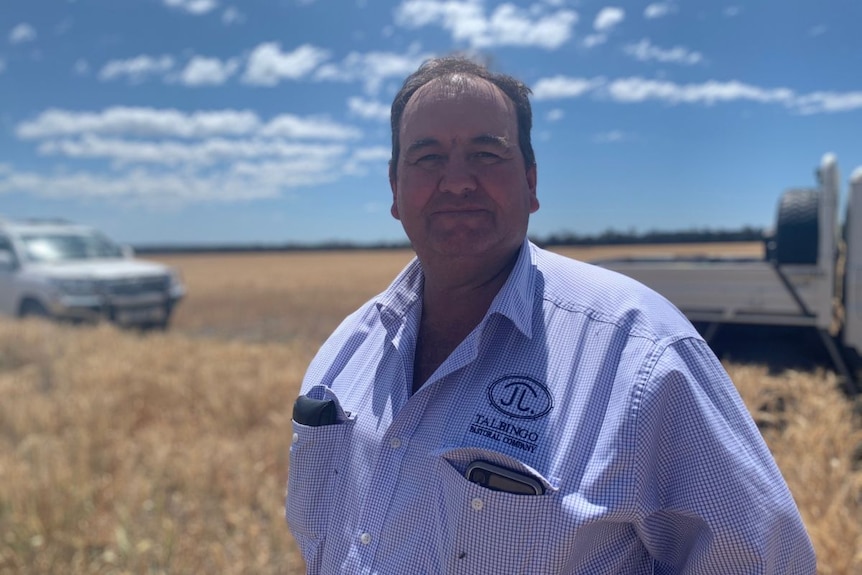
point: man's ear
(532, 179)
(393, 185)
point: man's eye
(486, 157)
(429, 159)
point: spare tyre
(796, 230)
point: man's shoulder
(607, 296)
(385, 311)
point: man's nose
(458, 177)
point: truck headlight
(175, 284)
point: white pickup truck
(811, 275)
(65, 271)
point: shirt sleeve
(711, 498)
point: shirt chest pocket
(315, 453)
(486, 531)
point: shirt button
(477, 504)
(365, 538)
(295, 438)
(394, 443)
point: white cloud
(594, 40)
(563, 87)
(280, 174)
(629, 90)
(168, 157)
(365, 158)
(829, 102)
(372, 68)
(375, 208)
(268, 65)
(555, 115)
(64, 26)
(638, 90)
(290, 126)
(156, 189)
(136, 69)
(372, 154)
(369, 109)
(81, 67)
(645, 51)
(818, 30)
(22, 33)
(161, 123)
(201, 71)
(732, 11)
(232, 16)
(507, 25)
(146, 122)
(608, 18)
(610, 137)
(173, 153)
(196, 7)
(659, 10)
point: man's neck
(455, 299)
(471, 278)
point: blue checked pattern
(583, 379)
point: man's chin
(463, 246)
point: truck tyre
(796, 231)
(32, 308)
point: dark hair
(448, 67)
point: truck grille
(136, 286)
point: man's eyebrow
(481, 140)
(421, 144)
(490, 139)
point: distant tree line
(270, 247)
(608, 237)
(691, 236)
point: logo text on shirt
(520, 397)
(509, 433)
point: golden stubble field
(167, 452)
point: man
(501, 409)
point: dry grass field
(167, 452)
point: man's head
(462, 184)
(448, 68)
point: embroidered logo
(507, 432)
(520, 397)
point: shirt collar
(514, 300)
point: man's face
(461, 187)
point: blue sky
(213, 121)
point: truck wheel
(796, 231)
(32, 308)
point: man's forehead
(458, 87)
(457, 95)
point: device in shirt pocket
(497, 478)
(315, 412)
